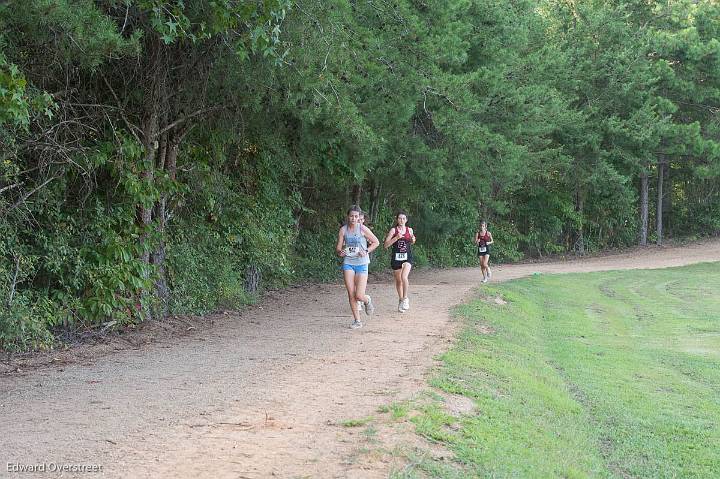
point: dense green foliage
(156, 155)
(610, 374)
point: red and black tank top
(403, 244)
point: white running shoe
(401, 307)
(484, 279)
(355, 324)
(406, 304)
(369, 306)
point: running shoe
(406, 304)
(484, 279)
(369, 306)
(401, 306)
(355, 324)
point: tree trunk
(148, 175)
(659, 211)
(580, 238)
(667, 200)
(151, 146)
(356, 194)
(253, 277)
(168, 162)
(643, 208)
(151, 127)
(375, 203)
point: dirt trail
(264, 393)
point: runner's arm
(339, 246)
(389, 238)
(374, 242)
(491, 238)
(412, 235)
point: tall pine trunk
(659, 209)
(579, 209)
(667, 200)
(644, 184)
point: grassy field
(613, 374)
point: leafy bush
(225, 232)
(26, 324)
(314, 257)
(204, 272)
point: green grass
(613, 374)
(357, 422)
(397, 410)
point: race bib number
(482, 249)
(351, 251)
(400, 256)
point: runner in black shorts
(483, 240)
(401, 237)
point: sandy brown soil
(262, 393)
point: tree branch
(9, 187)
(14, 282)
(31, 192)
(130, 126)
(179, 121)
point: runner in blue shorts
(355, 242)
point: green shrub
(25, 324)
(314, 256)
(204, 273)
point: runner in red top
(483, 240)
(401, 237)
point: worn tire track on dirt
(263, 393)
